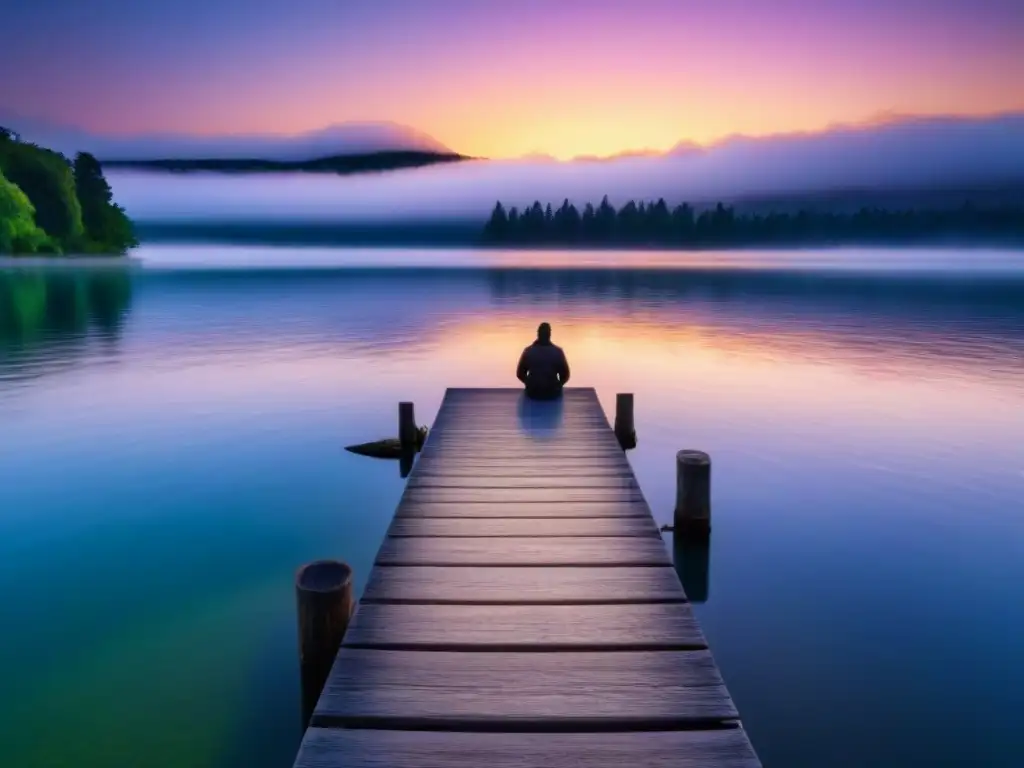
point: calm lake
(171, 450)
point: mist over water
(917, 158)
(173, 437)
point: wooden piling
(323, 592)
(693, 493)
(625, 430)
(408, 434)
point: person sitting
(543, 367)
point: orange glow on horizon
(558, 79)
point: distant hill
(339, 164)
(346, 139)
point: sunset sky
(504, 79)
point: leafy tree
(18, 230)
(107, 227)
(46, 178)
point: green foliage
(69, 208)
(106, 225)
(46, 178)
(18, 230)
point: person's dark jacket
(543, 368)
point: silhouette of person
(543, 367)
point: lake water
(171, 449)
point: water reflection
(48, 316)
(870, 319)
(938, 325)
(405, 463)
(691, 556)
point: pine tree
(497, 225)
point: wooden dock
(523, 612)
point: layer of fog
(914, 153)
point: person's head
(544, 332)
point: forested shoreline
(55, 206)
(655, 224)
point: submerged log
(388, 448)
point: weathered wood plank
(524, 551)
(474, 418)
(522, 495)
(371, 748)
(518, 452)
(523, 466)
(510, 628)
(472, 426)
(544, 527)
(437, 469)
(411, 507)
(490, 481)
(522, 450)
(524, 691)
(470, 423)
(559, 438)
(535, 586)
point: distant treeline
(721, 226)
(340, 164)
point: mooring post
(323, 591)
(625, 431)
(693, 493)
(408, 434)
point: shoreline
(7, 262)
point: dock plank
(510, 628)
(473, 466)
(527, 586)
(552, 471)
(504, 526)
(489, 481)
(524, 551)
(331, 747)
(520, 428)
(523, 691)
(522, 495)
(498, 451)
(414, 507)
(529, 445)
